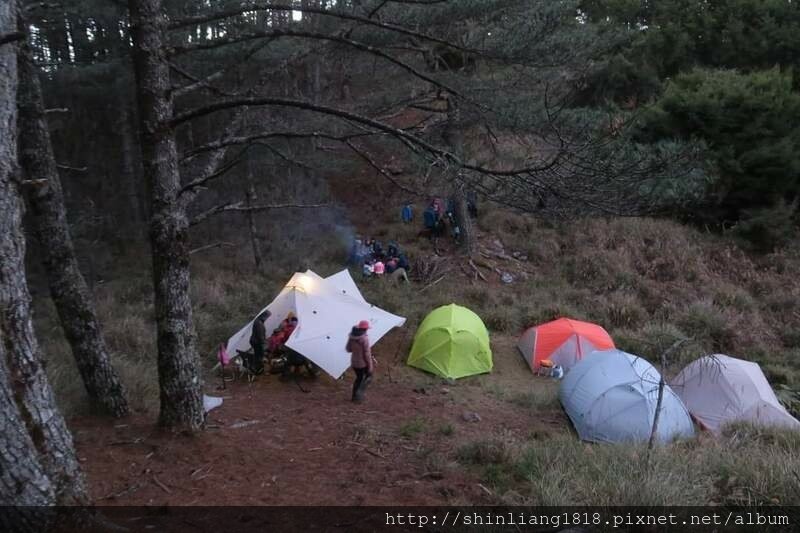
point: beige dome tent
(719, 389)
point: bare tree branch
(241, 207)
(206, 81)
(403, 135)
(12, 38)
(247, 139)
(196, 82)
(267, 6)
(209, 247)
(189, 190)
(280, 32)
(366, 157)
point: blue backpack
(430, 218)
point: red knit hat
(364, 324)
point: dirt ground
(270, 443)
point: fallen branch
(126, 490)
(490, 255)
(431, 284)
(125, 442)
(244, 424)
(467, 273)
(161, 485)
(477, 271)
(376, 454)
(487, 491)
(194, 475)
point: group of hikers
(440, 214)
(374, 261)
(274, 347)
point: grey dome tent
(719, 389)
(611, 396)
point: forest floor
(270, 438)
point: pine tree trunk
(130, 169)
(67, 286)
(464, 220)
(35, 403)
(22, 479)
(180, 380)
(251, 217)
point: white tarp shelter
(611, 396)
(326, 309)
(718, 389)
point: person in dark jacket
(361, 360)
(258, 341)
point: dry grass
(748, 466)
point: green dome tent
(452, 342)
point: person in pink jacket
(361, 359)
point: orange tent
(563, 341)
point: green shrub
(622, 309)
(413, 427)
(765, 229)
(705, 321)
(653, 339)
(501, 319)
(484, 452)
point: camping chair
(545, 368)
(224, 361)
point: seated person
(358, 253)
(378, 268)
(282, 333)
(377, 251)
(402, 261)
(367, 269)
(296, 361)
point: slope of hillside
(649, 282)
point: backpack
(402, 261)
(430, 218)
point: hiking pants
(256, 363)
(360, 384)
